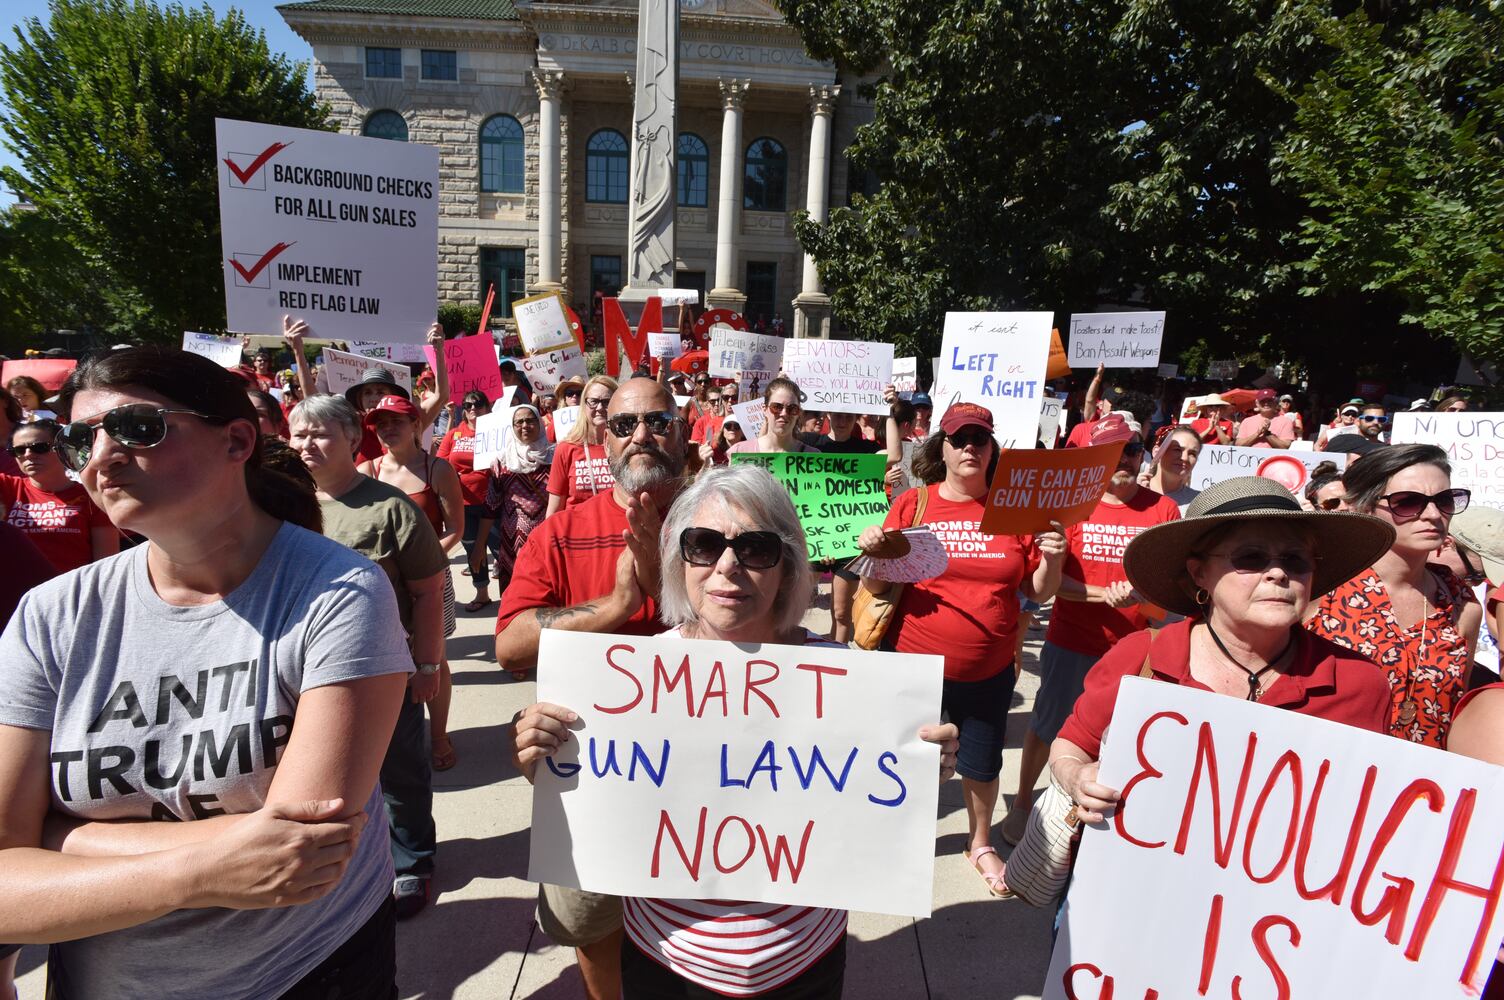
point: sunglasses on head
(1408, 503)
(36, 448)
(753, 549)
(624, 425)
(135, 425)
(1256, 560)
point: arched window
(385, 125)
(694, 170)
(767, 176)
(606, 167)
(501, 155)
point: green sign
(836, 496)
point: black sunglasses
(974, 437)
(1408, 503)
(135, 425)
(1256, 560)
(624, 425)
(36, 448)
(1330, 503)
(753, 549)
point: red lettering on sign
(1396, 899)
(1338, 883)
(1149, 771)
(820, 673)
(1206, 760)
(1261, 945)
(1443, 882)
(1288, 763)
(637, 698)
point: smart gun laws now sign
(714, 770)
(339, 230)
(1261, 853)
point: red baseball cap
(966, 415)
(1110, 430)
(1265, 395)
(392, 404)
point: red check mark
(256, 164)
(266, 258)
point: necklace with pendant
(1410, 708)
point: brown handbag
(871, 614)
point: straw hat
(1347, 543)
(1212, 399)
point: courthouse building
(530, 106)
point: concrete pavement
(478, 940)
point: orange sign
(1033, 488)
(1057, 366)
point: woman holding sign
(581, 468)
(970, 612)
(458, 449)
(1241, 565)
(734, 569)
(1416, 620)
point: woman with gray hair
(735, 570)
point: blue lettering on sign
(889, 757)
(600, 769)
(816, 759)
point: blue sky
(261, 13)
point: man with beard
(1094, 608)
(594, 568)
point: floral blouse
(1426, 680)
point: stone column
(812, 306)
(728, 223)
(550, 86)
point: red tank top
(427, 498)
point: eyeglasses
(969, 437)
(37, 448)
(135, 425)
(1254, 560)
(525, 422)
(1330, 503)
(599, 403)
(624, 425)
(779, 409)
(1407, 504)
(753, 549)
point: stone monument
(652, 202)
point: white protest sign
(840, 376)
(751, 416)
(713, 770)
(751, 381)
(339, 230)
(223, 351)
(1227, 368)
(996, 360)
(542, 323)
(1168, 371)
(491, 432)
(1261, 853)
(678, 296)
(401, 353)
(734, 351)
(1291, 469)
(545, 371)
(1049, 421)
(565, 417)
(1474, 442)
(1117, 340)
(665, 346)
(906, 376)
(343, 370)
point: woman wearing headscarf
(517, 498)
(1415, 619)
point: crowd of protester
(195, 555)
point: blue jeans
(407, 787)
(481, 575)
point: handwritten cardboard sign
(472, 367)
(996, 360)
(223, 351)
(51, 372)
(1265, 853)
(1050, 412)
(1168, 371)
(545, 371)
(733, 351)
(1222, 369)
(712, 770)
(836, 496)
(542, 323)
(343, 370)
(337, 229)
(1291, 469)
(1033, 487)
(1474, 442)
(905, 376)
(1058, 366)
(491, 433)
(565, 417)
(751, 416)
(1117, 340)
(415, 354)
(665, 346)
(840, 376)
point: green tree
(1397, 145)
(111, 108)
(39, 286)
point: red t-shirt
(570, 559)
(1080, 435)
(57, 523)
(1094, 555)
(458, 449)
(706, 428)
(969, 613)
(371, 447)
(576, 479)
(1494, 597)
(1324, 680)
(1203, 426)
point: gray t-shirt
(168, 712)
